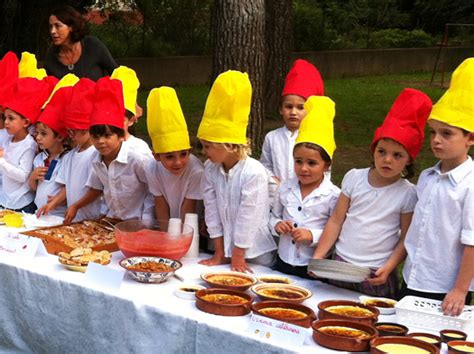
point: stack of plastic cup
(192, 220)
(174, 226)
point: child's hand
(215, 260)
(39, 173)
(284, 227)
(453, 302)
(70, 214)
(2, 153)
(380, 276)
(302, 236)
(45, 209)
(238, 264)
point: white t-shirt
(443, 223)
(371, 229)
(123, 183)
(138, 146)
(173, 188)
(237, 206)
(310, 213)
(49, 187)
(4, 137)
(16, 167)
(74, 173)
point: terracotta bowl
(448, 335)
(223, 309)
(427, 337)
(460, 343)
(400, 340)
(341, 342)
(303, 322)
(280, 290)
(391, 329)
(249, 279)
(323, 314)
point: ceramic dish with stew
(343, 335)
(385, 305)
(452, 334)
(391, 329)
(223, 302)
(282, 292)
(347, 310)
(460, 347)
(275, 279)
(427, 337)
(150, 269)
(229, 280)
(285, 311)
(188, 291)
(395, 345)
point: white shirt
(237, 206)
(138, 146)
(371, 229)
(277, 153)
(175, 189)
(74, 173)
(4, 137)
(16, 167)
(123, 184)
(442, 224)
(49, 187)
(310, 213)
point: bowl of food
(229, 280)
(79, 258)
(223, 302)
(394, 345)
(391, 329)
(448, 335)
(347, 310)
(151, 238)
(460, 347)
(285, 311)
(427, 337)
(274, 279)
(150, 269)
(285, 292)
(343, 335)
(188, 291)
(385, 305)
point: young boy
(440, 240)
(302, 81)
(175, 177)
(117, 172)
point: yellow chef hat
(456, 106)
(130, 85)
(227, 110)
(317, 127)
(66, 81)
(165, 121)
(28, 67)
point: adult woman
(74, 51)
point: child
(440, 240)
(77, 164)
(51, 137)
(374, 210)
(117, 172)
(130, 85)
(16, 160)
(235, 186)
(175, 177)
(302, 81)
(304, 203)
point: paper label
(273, 330)
(12, 243)
(103, 277)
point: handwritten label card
(274, 330)
(12, 243)
(103, 277)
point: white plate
(383, 310)
(31, 221)
(188, 295)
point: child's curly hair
(240, 150)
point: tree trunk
(279, 44)
(238, 31)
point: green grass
(361, 105)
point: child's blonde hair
(240, 150)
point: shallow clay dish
(385, 305)
(391, 329)
(204, 303)
(427, 337)
(285, 311)
(229, 280)
(282, 292)
(448, 335)
(343, 342)
(324, 314)
(274, 279)
(460, 346)
(188, 291)
(401, 342)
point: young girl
(304, 203)
(235, 186)
(375, 207)
(175, 177)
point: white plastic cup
(191, 219)
(174, 226)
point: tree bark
(238, 33)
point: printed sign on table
(274, 330)
(12, 243)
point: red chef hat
(108, 107)
(53, 114)
(405, 122)
(78, 111)
(303, 80)
(30, 96)
(8, 77)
